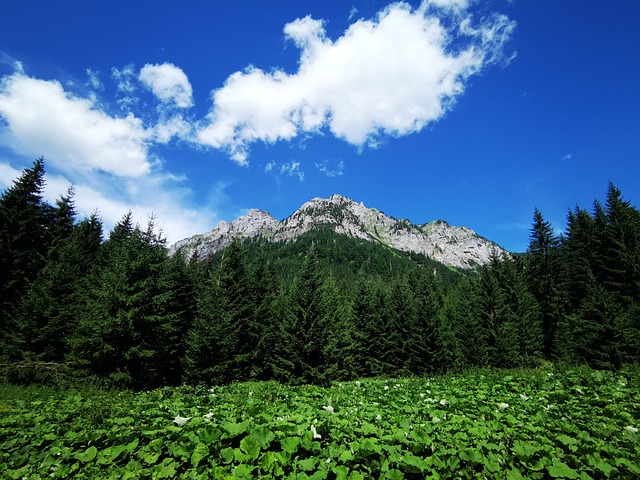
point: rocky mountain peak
(458, 247)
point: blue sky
(474, 112)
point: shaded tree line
(323, 308)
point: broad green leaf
(88, 455)
(199, 452)
(250, 446)
(341, 472)
(308, 464)
(561, 470)
(263, 435)
(290, 444)
(226, 454)
(235, 429)
(346, 456)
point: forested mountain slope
(458, 247)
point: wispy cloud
(126, 83)
(389, 76)
(567, 157)
(331, 169)
(291, 169)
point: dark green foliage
(127, 333)
(25, 237)
(544, 275)
(324, 307)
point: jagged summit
(458, 247)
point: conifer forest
(76, 302)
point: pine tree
(368, 331)
(304, 330)
(24, 241)
(544, 274)
(48, 312)
(126, 332)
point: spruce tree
(24, 242)
(544, 273)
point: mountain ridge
(458, 247)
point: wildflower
(386, 387)
(378, 417)
(444, 402)
(316, 435)
(398, 385)
(422, 395)
(631, 429)
(358, 383)
(329, 408)
(524, 397)
(181, 420)
(436, 419)
(327, 461)
(251, 394)
(549, 374)
(209, 416)
(503, 406)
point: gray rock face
(458, 247)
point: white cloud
(7, 175)
(392, 75)
(291, 169)
(155, 195)
(168, 83)
(330, 171)
(567, 157)
(94, 80)
(125, 83)
(176, 126)
(41, 117)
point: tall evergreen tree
(24, 241)
(49, 310)
(304, 329)
(126, 332)
(544, 274)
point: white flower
(316, 435)
(209, 416)
(378, 417)
(549, 374)
(422, 395)
(358, 383)
(503, 406)
(631, 429)
(181, 420)
(327, 461)
(328, 408)
(524, 397)
(386, 387)
(444, 402)
(398, 385)
(436, 419)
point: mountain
(458, 247)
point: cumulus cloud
(388, 76)
(168, 83)
(41, 117)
